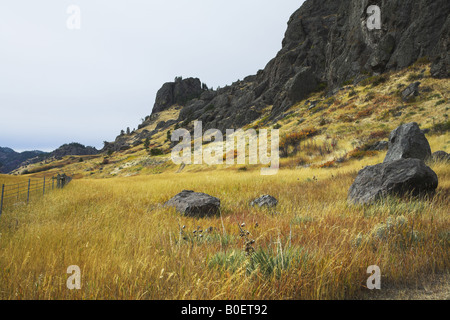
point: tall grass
(130, 247)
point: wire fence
(25, 191)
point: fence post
(43, 192)
(1, 201)
(53, 182)
(28, 192)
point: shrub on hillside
(442, 127)
(292, 141)
(156, 152)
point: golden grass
(129, 247)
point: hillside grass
(314, 246)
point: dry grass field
(314, 246)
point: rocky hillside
(327, 45)
(72, 149)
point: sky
(68, 77)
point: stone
(194, 204)
(396, 178)
(411, 91)
(265, 201)
(408, 141)
(441, 156)
(379, 146)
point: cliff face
(327, 43)
(178, 92)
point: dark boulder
(441, 156)
(265, 201)
(379, 146)
(397, 178)
(411, 91)
(194, 204)
(408, 141)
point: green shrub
(230, 260)
(156, 152)
(271, 262)
(375, 80)
(442, 127)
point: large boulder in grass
(194, 204)
(397, 178)
(408, 141)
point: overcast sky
(59, 85)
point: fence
(24, 191)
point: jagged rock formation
(72, 149)
(178, 92)
(327, 43)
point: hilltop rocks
(398, 177)
(178, 92)
(408, 141)
(194, 204)
(265, 201)
(73, 149)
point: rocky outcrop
(408, 141)
(72, 149)
(327, 43)
(178, 92)
(194, 204)
(397, 178)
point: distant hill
(10, 159)
(72, 149)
